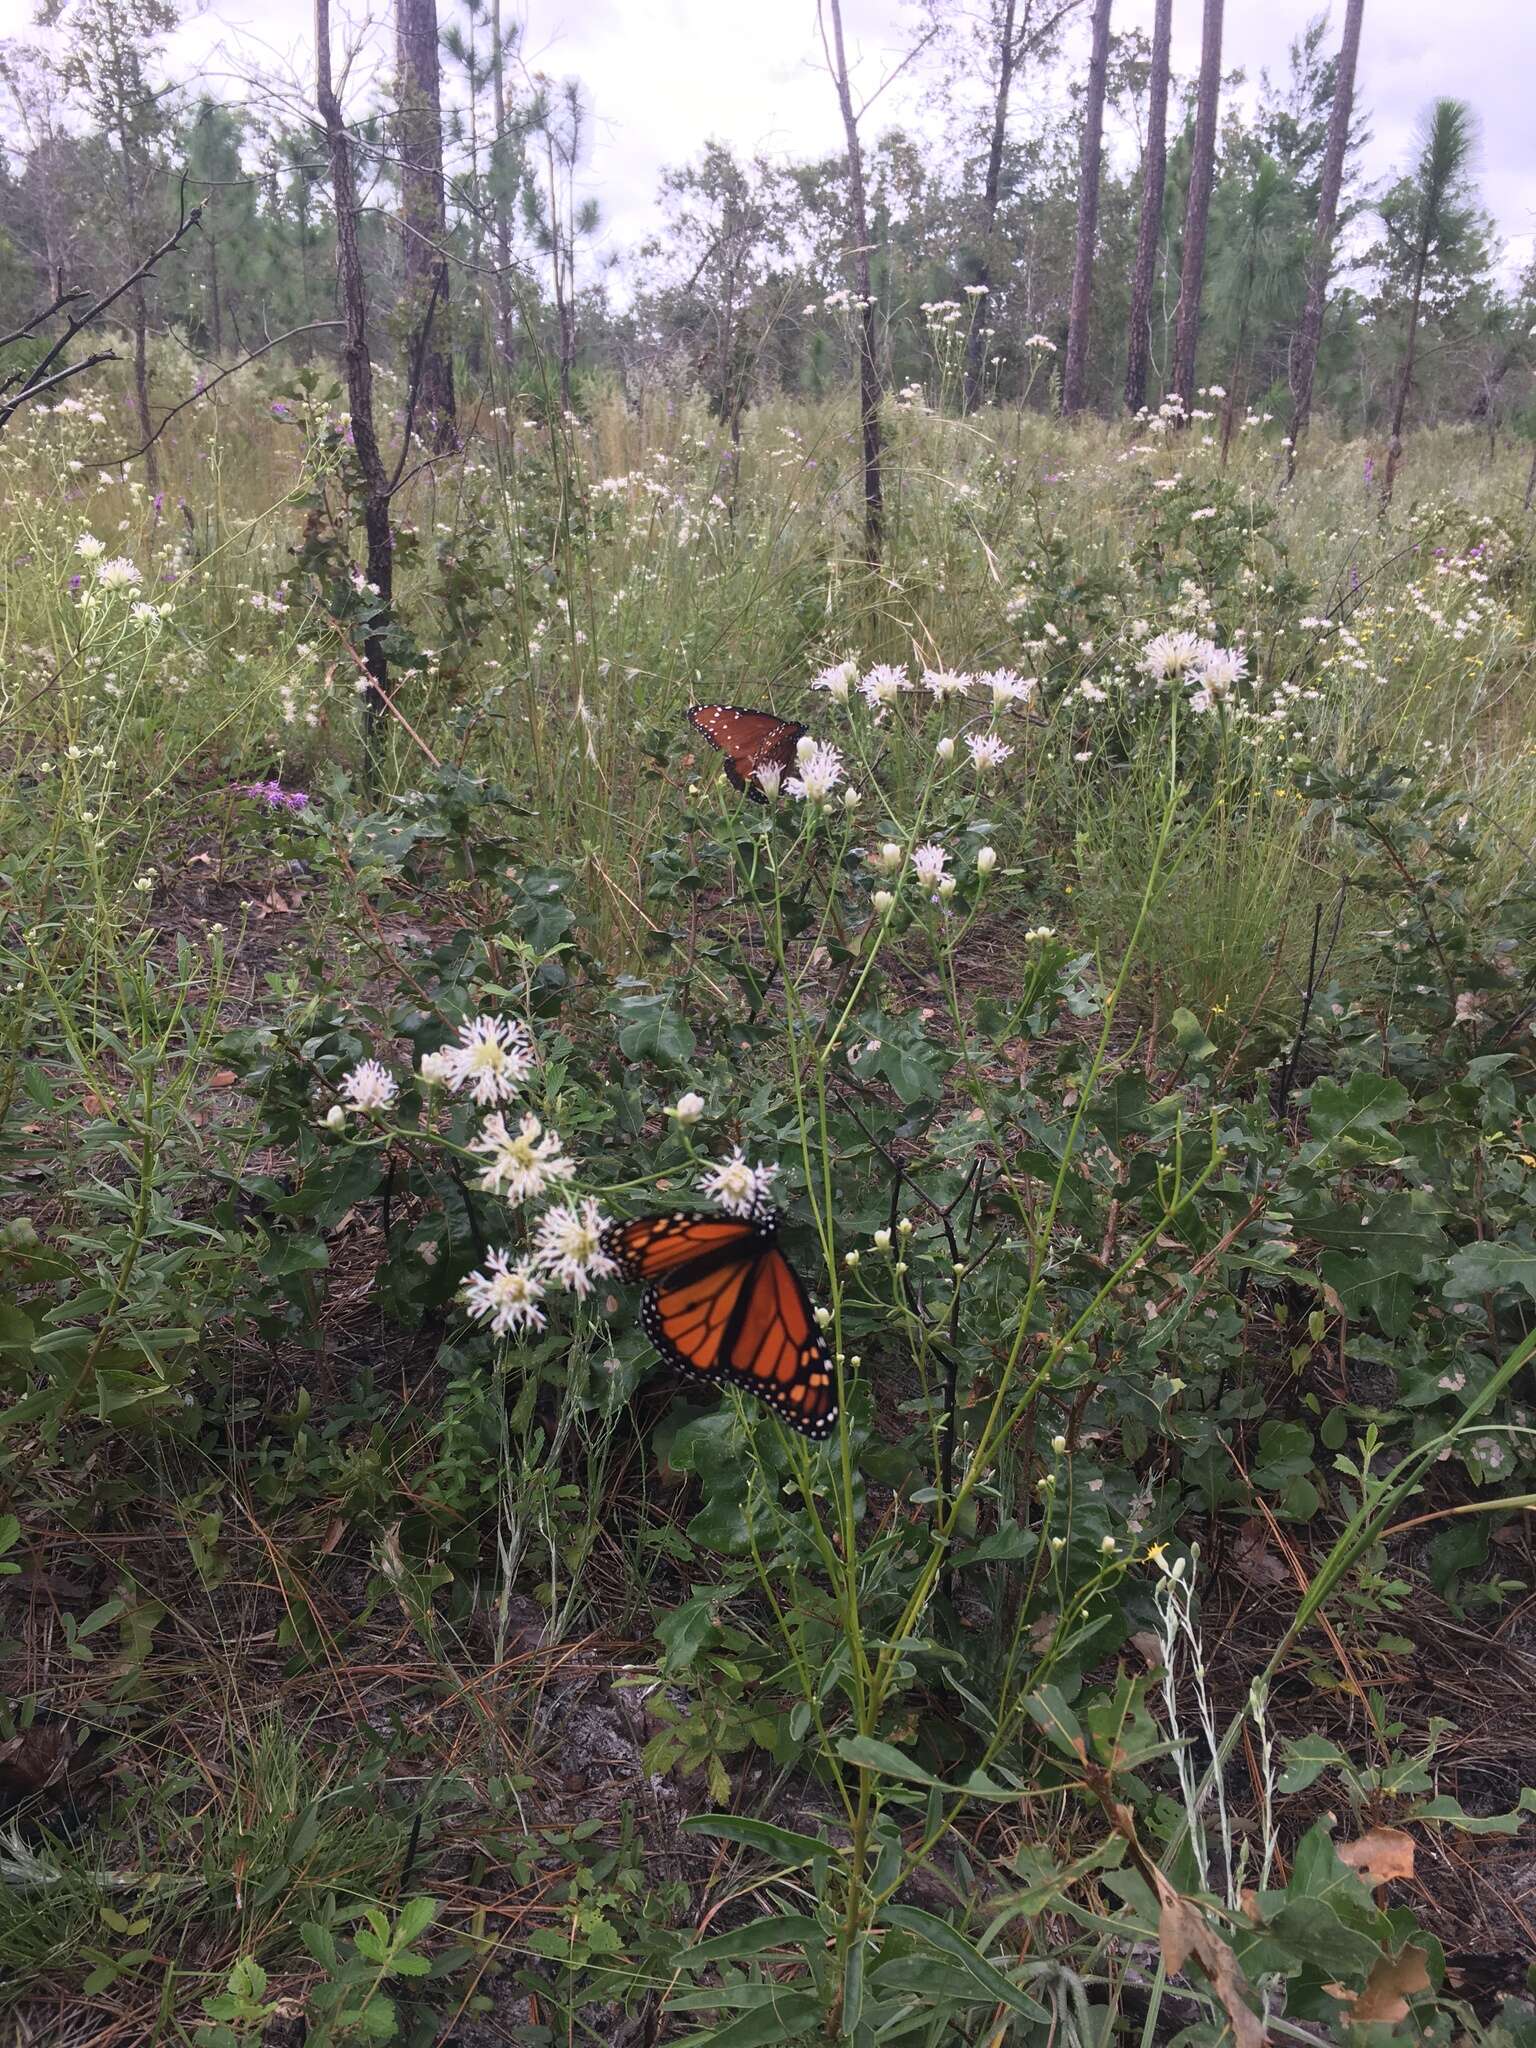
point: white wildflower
(837, 680)
(821, 769)
(493, 1058)
(118, 574)
(509, 1294)
(568, 1245)
(370, 1086)
(987, 751)
(928, 864)
(523, 1164)
(737, 1187)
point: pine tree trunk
(869, 364)
(141, 386)
(1075, 372)
(1197, 213)
(1405, 381)
(503, 211)
(423, 218)
(1154, 176)
(215, 307)
(353, 293)
(1309, 340)
(975, 341)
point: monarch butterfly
(749, 740)
(723, 1303)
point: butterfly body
(723, 1304)
(749, 740)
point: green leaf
(871, 1754)
(791, 2012)
(685, 1631)
(649, 1029)
(378, 2018)
(1307, 1757)
(1356, 1117)
(777, 1931)
(1191, 1039)
(1448, 1809)
(788, 1848)
(247, 1979)
(1403, 1245)
(940, 1935)
(1054, 1718)
(416, 1916)
(1486, 1268)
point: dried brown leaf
(1379, 1856)
(1392, 1982)
(1183, 1931)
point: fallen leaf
(1254, 1561)
(1392, 1982)
(1183, 1931)
(226, 1077)
(1150, 1646)
(1380, 1856)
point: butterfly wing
(653, 1246)
(723, 1302)
(774, 1349)
(749, 740)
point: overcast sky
(665, 75)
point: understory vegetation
(1131, 1017)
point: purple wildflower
(275, 797)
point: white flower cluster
(523, 1162)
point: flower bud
(851, 799)
(882, 1240)
(688, 1108)
(335, 1118)
(946, 887)
(883, 901)
(890, 856)
(1108, 1546)
(850, 1260)
(986, 860)
(1058, 1444)
(946, 748)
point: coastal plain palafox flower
(1007, 688)
(508, 1293)
(882, 685)
(928, 863)
(493, 1058)
(987, 751)
(821, 769)
(736, 1186)
(369, 1086)
(520, 1164)
(837, 680)
(118, 574)
(1172, 654)
(568, 1245)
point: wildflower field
(1122, 994)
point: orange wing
(654, 1245)
(774, 1349)
(724, 1303)
(749, 740)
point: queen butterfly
(750, 741)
